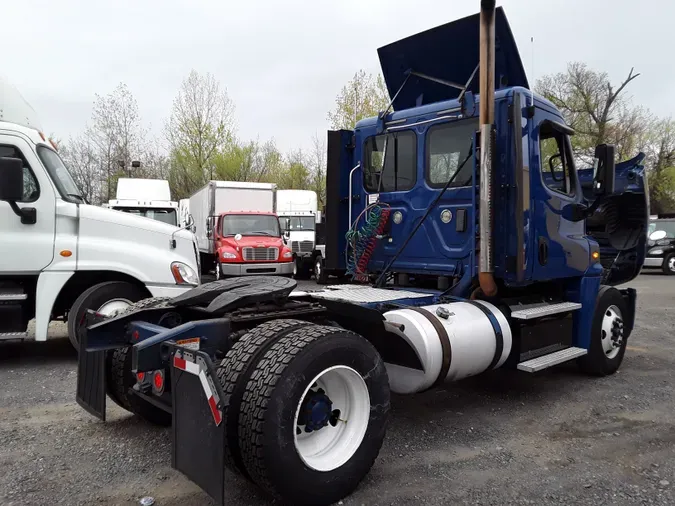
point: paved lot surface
(505, 438)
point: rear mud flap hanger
(199, 432)
(466, 99)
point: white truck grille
(302, 246)
(260, 254)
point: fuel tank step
(13, 335)
(12, 296)
(546, 361)
(541, 310)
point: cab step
(5, 336)
(12, 296)
(540, 310)
(546, 361)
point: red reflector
(135, 335)
(158, 379)
(179, 363)
(140, 377)
(214, 411)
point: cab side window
(555, 160)
(31, 190)
(399, 171)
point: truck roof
(243, 184)
(453, 107)
(262, 213)
(143, 189)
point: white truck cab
(60, 256)
(298, 214)
(150, 198)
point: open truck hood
(449, 52)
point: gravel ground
(557, 437)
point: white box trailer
(219, 197)
(149, 198)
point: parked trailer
(291, 389)
(60, 256)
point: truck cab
(149, 198)
(299, 215)
(419, 165)
(249, 243)
(62, 256)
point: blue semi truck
(473, 242)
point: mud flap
(91, 387)
(198, 449)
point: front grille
(302, 246)
(260, 254)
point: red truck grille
(260, 254)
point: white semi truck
(150, 198)
(60, 256)
(299, 216)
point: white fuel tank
(452, 341)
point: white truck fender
(49, 286)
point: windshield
(250, 224)
(165, 215)
(667, 226)
(59, 174)
(294, 223)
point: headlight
(656, 252)
(663, 242)
(288, 254)
(183, 274)
(227, 254)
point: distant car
(661, 244)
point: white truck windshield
(291, 223)
(59, 174)
(167, 215)
(250, 224)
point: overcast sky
(283, 62)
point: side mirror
(11, 179)
(657, 235)
(208, 228)
(287, 235)
(189, 222)
(604, 170)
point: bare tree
(81, 157)
(317, 167)
(200, 124)
(598, 111)
(117, 132)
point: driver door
(27, 248)
(561, 248)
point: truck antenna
(532, 70)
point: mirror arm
(28, 215)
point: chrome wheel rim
(612, 331)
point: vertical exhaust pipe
(486, 117)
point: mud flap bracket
(198, 449)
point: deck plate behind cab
(362, 294)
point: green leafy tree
(363, 96)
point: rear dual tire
(291, 376)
